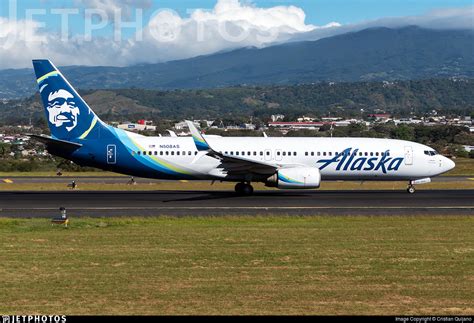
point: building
(297, 125)
(141, 125)
(384, 117)
(305, 119)
(277, 117)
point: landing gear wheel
(411, 189)
(239, 188)
(243, 189)
(248, 189)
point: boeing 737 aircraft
(79, 135)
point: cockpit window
(431, 152)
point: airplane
(78, 134)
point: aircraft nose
(448, 164)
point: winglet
(199, 141)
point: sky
(127, 32)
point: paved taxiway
(201, 203)
(123, 179)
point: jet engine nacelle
(296, 178)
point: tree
(403, 132)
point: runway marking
(471, 179)
(8, 181)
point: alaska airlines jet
(79, 135)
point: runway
(124, 179)
(219, 203)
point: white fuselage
(337, 158)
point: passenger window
(284, 153)
(172, 153)
(377, 153)
(195, 153)
(294, 153)
(278, 153)
(255, 153)
(167, 153)
(268, 153)
(324, 153)
(261, 153)
(156, 153)
(312, 153)
(319, 153)
(139, 153)
(360, 153)
(237, 153)
(371, 154)
(249, 153)
(306, 153)
(366, 154)
(177, 153)
(189, 153)
(161, 153)
(330, 153)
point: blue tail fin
(69, 117)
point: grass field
(464, 167)
(206, 186)
(239, 265)
(53, 174)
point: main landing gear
(244, 189)
(411, 188)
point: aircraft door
(111, 154)
(268, 154)
(408, 155)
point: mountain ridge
(373, 54)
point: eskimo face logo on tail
(349, 160)
(62, 109)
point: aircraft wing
(231, 164)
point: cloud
(168, 36)
(110, 8)
(230, 24)
(439, 19)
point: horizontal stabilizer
(57, 145)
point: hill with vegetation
(402, 98)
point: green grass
(206, 186)
(239, 265)
(53, 174)
(464, 167)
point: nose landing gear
(244, 189)
(411, 184)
